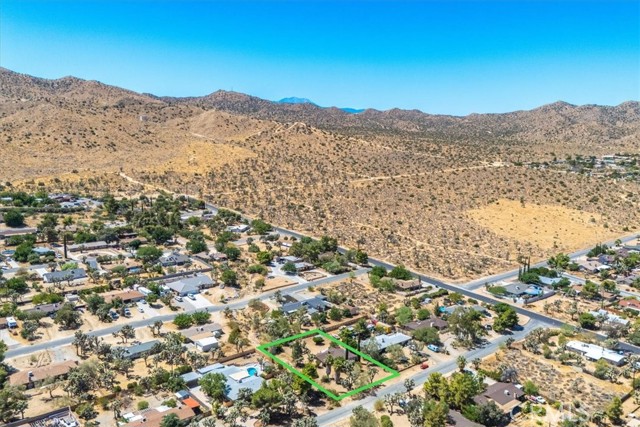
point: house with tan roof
(127, 296)
(35, 376)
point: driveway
(200, 303)
(5, 336)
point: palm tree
(461, 361)
(338, 366)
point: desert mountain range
(414, 188)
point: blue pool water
(252, 371)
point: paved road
(342, 412)
(25, 350)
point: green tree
(29, 329)
(148, 254)
(490, 415)
(436, 387)
(530, 388)
(465, 324)
(614, 411)
(462, 388)
(559, 262)
(363, 418)
(289, 267)
(13, 402)
(170, 420)
(403, 315)
(201, 317)
(183, 321)
(197, 245)
(229, 277)
(461, 361)
(13, 218)
(427, 335)
(264, 257)
(68, 317)
(400, 272)
(590, 290)
(214, 385)
(385, 421)
(587, 320)
(435, 413)
(3, 349)
(260, 227)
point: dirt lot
(549, 227)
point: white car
(192, 297)
(541, 400)
(179, 298)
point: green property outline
(263, 349)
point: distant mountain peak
(296, 100)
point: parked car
(192, 297)
(433, 348)
(179, 298)
(541, 400)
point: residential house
(137, 351)
(595, 352)
(452, 308)
(408, 285)
(65, 275)
(172, 259)
(550, 281)
(190, 285)
(206, 343)
(127, 296)
(431, 322)
(290, 258)
(505, 395)
(40, 251)
(210, 329)
(10, 232)
(591, 266)
(456, 419)
(630, 304)
(334, 353)
(237, 377)
(519, 289)
(312, 305)
(610, 318)
(303, 266)
(153, 417)
(34, 377)
(91, 246)
(240, 228)
(45, 309)
(387, 340)
(606, 259)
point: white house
(207, 343)
(595, 352)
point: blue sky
(450, 57)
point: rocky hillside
(417, 188)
